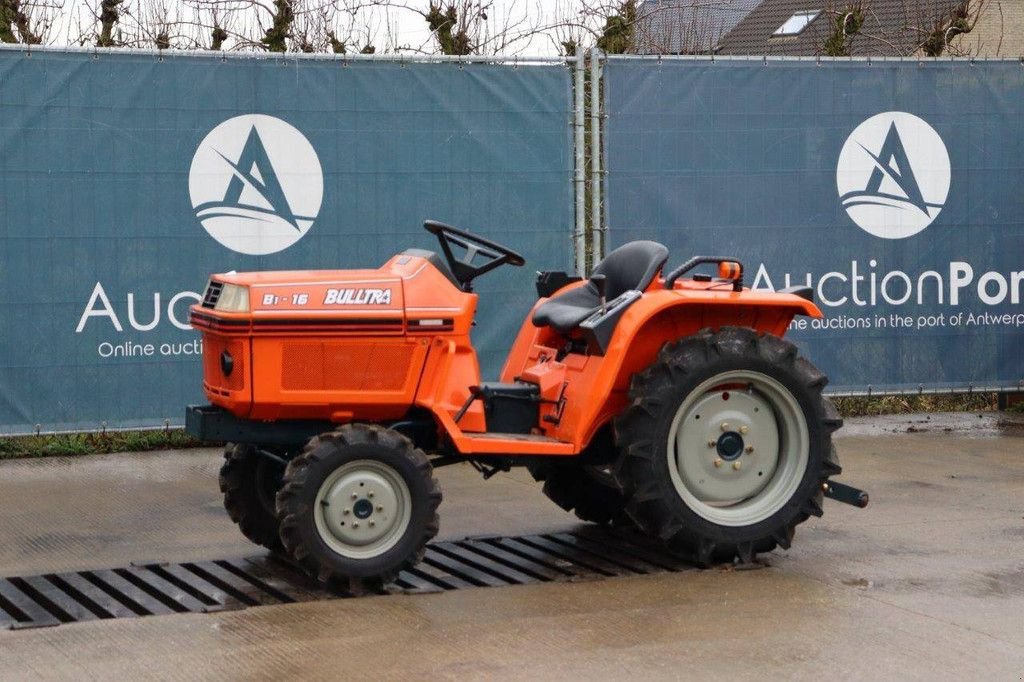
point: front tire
(726, 444)
(249, 482)
(358, 503)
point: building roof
(891, 27)
(687, 26)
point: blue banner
(123, 178)
(892, 188)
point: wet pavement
(927, 582)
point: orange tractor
(638, 396)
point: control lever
(601, 282)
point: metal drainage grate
(230, 584)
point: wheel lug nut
(354, 496)
(380, 507)
(718, 463)
(369, 494)
(725, 426)
(750, 449)
(355, 524)
(744, 429)
(372, 523)
(736, 465)
(711, 443)
(347, 512)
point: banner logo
(893, 175)
(256, 184)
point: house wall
(999, 31)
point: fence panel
(123, 176)
(893, 188)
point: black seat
(632, 266)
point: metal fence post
(580, 235)
(596, 222)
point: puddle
(970, 424)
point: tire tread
(652, 389)
(237, 482)
(294, 512)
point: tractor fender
(662, 316)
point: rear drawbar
(846, 494)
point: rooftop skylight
(796, 23)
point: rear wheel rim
(738, 448)
(362, 509)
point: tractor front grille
(212, 294)
(213, 371)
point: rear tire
(589, 490)
(704, 487)
(250, 483)
(358, 503)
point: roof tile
(891, 28)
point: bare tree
(626, 26)
(217, 22)
(463, 27)
(157, 23)
(986, 37)
(926, 27)
(565, 31)
(845, 20)
(226, 24)
(681, 26)
(936, 32)
(309, 26)
(109, 16)
(97, 22)
(282, 25)
(575, 25)
(26, 21)
(368, 28)
(457, 27)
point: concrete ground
(928, 582)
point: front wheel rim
(738, 448)
(362, 509)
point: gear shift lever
(601, 282)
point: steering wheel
(462, 268)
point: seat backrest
(631, 266)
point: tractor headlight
(233, 299)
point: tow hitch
(846, 494)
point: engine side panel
(339, 379)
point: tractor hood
(317, 291)
(407, 290)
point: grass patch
(904, 404)
(74, 444)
